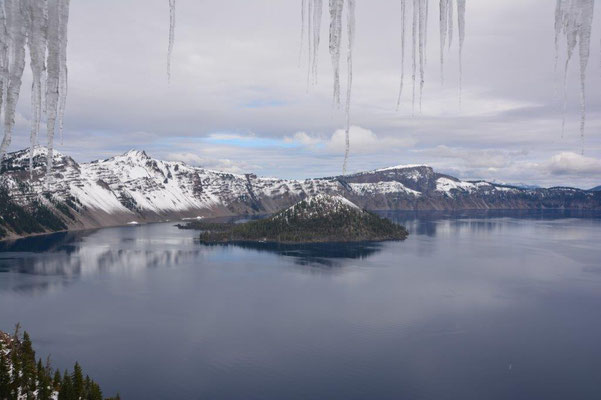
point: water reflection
(71, 256)
(431, 223)
(313, 254)
(441, 315)
(61, 241)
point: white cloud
(362, 140)
(365, 141)
(303, 139)
(226, 165)
(568, 163)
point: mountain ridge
(134, 187)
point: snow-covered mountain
(134, 187)
(320, 205)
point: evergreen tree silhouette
(78, 383)
(5, 387)
(66, 390)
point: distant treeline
(22, 377)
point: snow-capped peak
(135, 153)
(37, 152)
(319, 205)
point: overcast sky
(238, 99)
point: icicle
(41, 25)
(575, 18)
(302, 37)
(565, 90)
(461, 27)
(586, 15)
(53, 79)
(427, 11)
(3, 54)
(443, 35)
(171, 36)
(414, 52)
(421, 39)
(450, 22)
(336, 8)
(37, 42)
(16, 25)
(309, 42)
(349, 58)
(403, 29)
(317, 11)
(4, 59)
(63, 72)
(559, 7)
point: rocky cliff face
(134, 187)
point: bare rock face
(135, 187)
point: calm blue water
(471, 306)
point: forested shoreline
(23, 377)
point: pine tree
(56, 382)
(78, 384)
(29, 368)
(15, 361)
(44, 383)
(94, 393)
(5, 388)
(66, 390)
(22, 378)
(87, 386)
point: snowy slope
(318, 206)
(133, 187)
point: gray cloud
(235, 70)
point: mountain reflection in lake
(312, 254)
(483, 305)
(83, 253)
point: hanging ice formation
(311, 12)
(317, 11)
(41, 26)
(349, 86)
(450, 21)
(302, 36)
(461, 27)
(444, 24)
(419, 40)
(414, 52)
(422, 43)
(574, 19)
(336, 8)
(419, 29)
(403, 30)
(171, 36)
